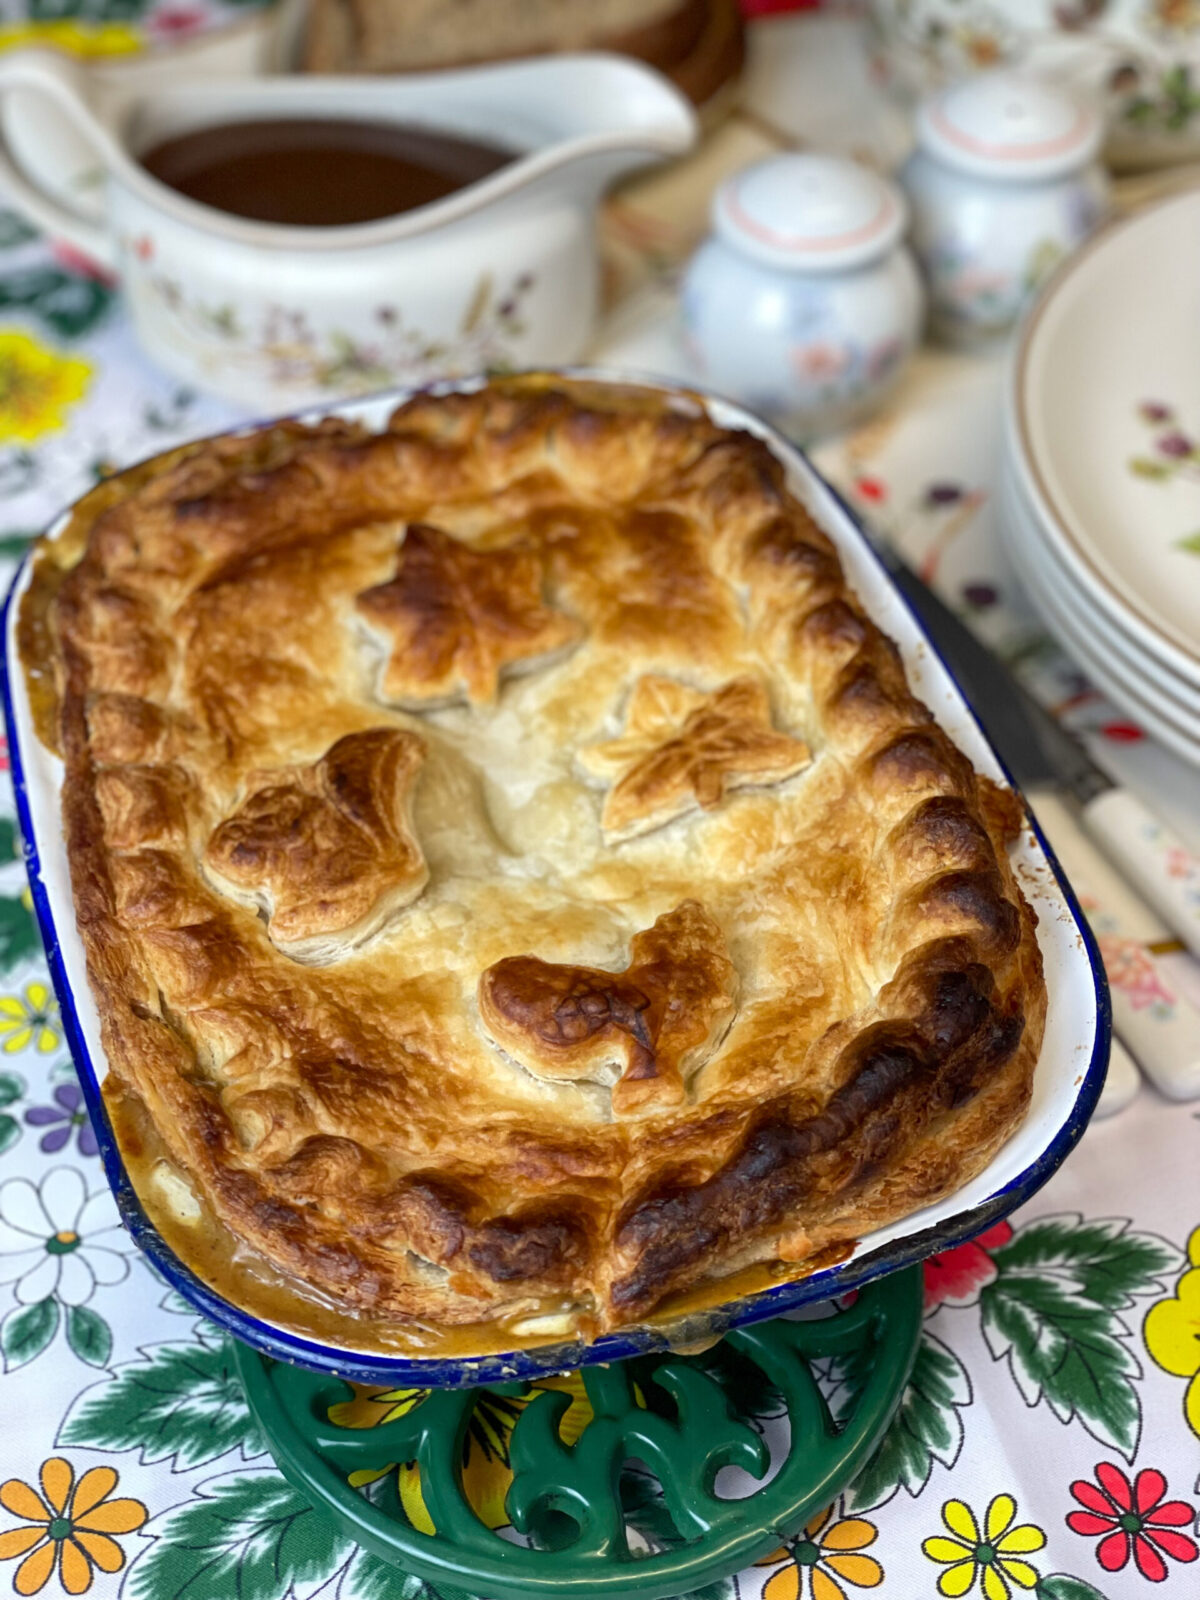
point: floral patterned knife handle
(1158, 1025)
(1165, 873)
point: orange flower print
(69, 1523)
(827, 1556)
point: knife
(1041, 753)
(1157, 1025)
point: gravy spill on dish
(320, 172)
(254, 1286)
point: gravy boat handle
(53, 76)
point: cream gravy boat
(502, 273)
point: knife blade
(1040, 753)
(1053, 769)
(1032, 745)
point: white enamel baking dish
(1067, 1083)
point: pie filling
(519, 887)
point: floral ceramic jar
(1140, 59)
(804, 304)
(1004, 182)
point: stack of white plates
(1100, 483)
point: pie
(518, 883)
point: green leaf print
(11, 1090)
(19, 935)
(14, 545)
(1052, 1311)
(65, 303)
(1102, 1259)
(1190, 544)
(89, 1336)
(182, 1404)
(368, 1578)
(1061, 1586)
(14, 230)
(26, 1331)
(927, 1426)
(248, 1534)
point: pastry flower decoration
(683, 748)
(458, 619)
(643, 1030)
(327, 849)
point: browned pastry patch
(197, 637)
(683, 748)
(458, 619)
(643, 1030)
(327, 850)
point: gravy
(320, 173)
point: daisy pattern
(990, 1554)
(69, 1524)
(29, 1019)
(1133, 1519)
(826, 1557)
(57, 1240)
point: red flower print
(1122, 732)
(871, 488)
(1133, 1519)
(956, 1276)
(84, 265)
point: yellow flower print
(78, 39)
(1172, 1333)
(69, 1523)
(486, 1472)
(992, 1556)
(37, 384)
(828, 1551)
(29, 1020)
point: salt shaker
(1005, 181)
(803, 303)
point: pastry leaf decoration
(459, 619)
(683, 749)
(327, 849)
(642, 1029)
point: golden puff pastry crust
(516, 877)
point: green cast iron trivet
(673, 1414)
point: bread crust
(601, 1044)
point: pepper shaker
(1005, 181)
(803, 303)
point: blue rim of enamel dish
(540, 1361)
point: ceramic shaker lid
(1009, 126)
(809, 213)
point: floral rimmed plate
(1103, 655)
(1067, 1083)
(1102, 419)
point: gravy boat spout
(501, 272)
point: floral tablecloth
(1049, 1440)
(115, 28)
